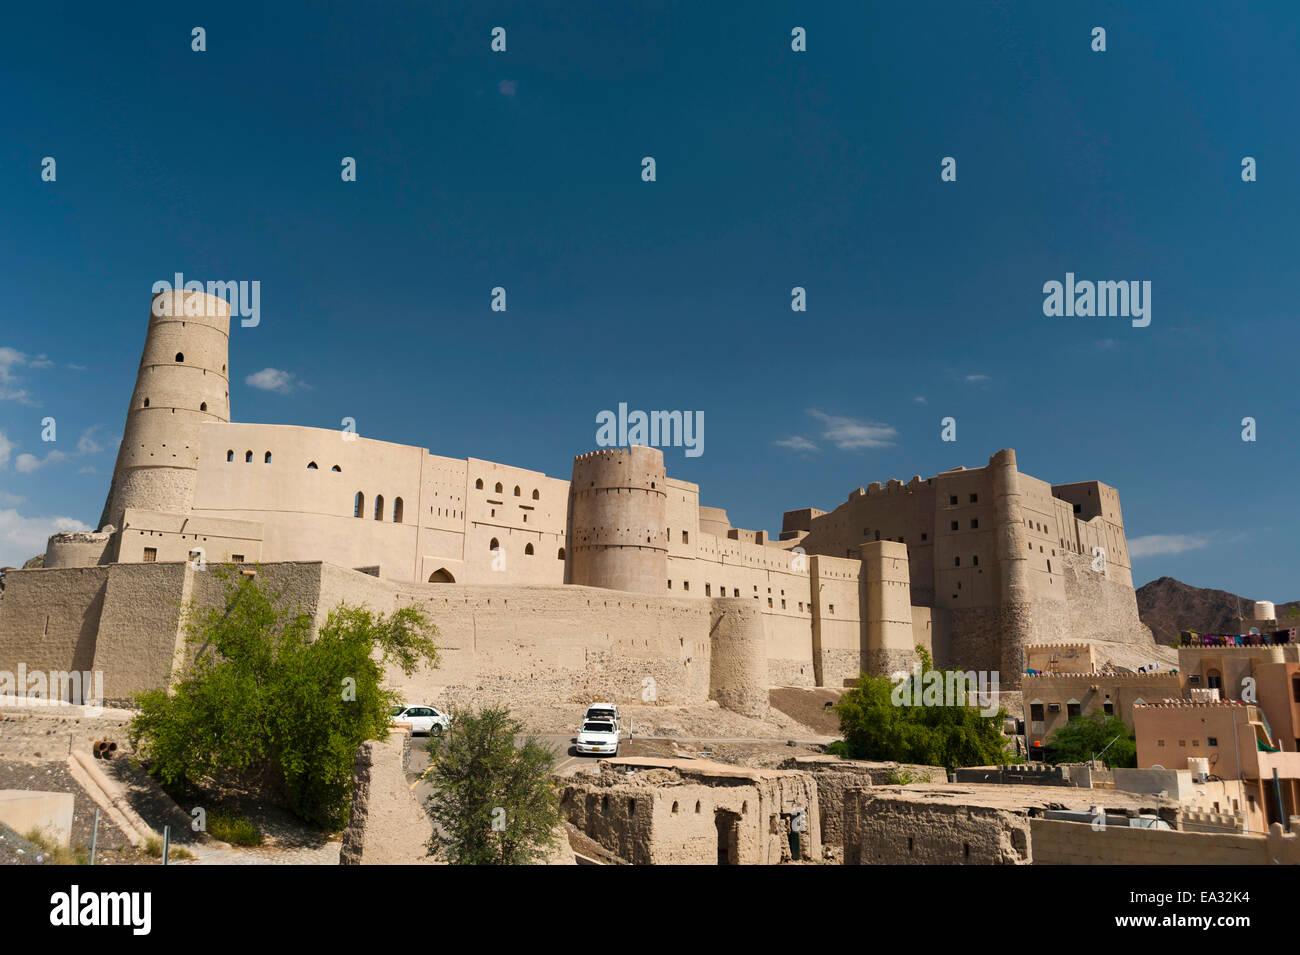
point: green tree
(268, 704)
(1084, 737)
(882, 719)
(493, 803)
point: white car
(423, 719)
(606, 712)
(598, 738)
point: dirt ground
(809, 706)
(112, 846)
(701, 721)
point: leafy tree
(493, 803)
(1085, 736)
(267, 704)
(882, 719)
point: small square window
(150, 554)
(237, 558)
(974, 523)
(1211, 741)
(952, 499)
(974, 498)
(954, 525)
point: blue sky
(775, 169)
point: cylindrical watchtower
(617, 515)
(182, 382)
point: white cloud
(27, 463)
(919, 399)
(11, 358)
(273, 379)
(24, 537)
(796, 443)
(974, 378)
(507, 88)
(1154, 545)
(86, 444)
(850, 434)
(6, 447)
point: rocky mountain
(1167, 605)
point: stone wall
(561, 644)
(1101, 608)
(1074, 843)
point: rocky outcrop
(1167, 605)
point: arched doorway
(441, 576)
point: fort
(614, 580)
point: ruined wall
(77, 549)
(835, 777)
(385, 825)
(661, 817)
(883, 830)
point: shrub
(267, 704)
(881, 722)
(493, 803)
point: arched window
(203, 406)
(494, 546)
(498, 487)
(379, 507)
(359, 505)
(560, 555)
(516, 490)
(248, 457)
(267, 459)
(230, 456)
(311, 466)
(478, 485)
(536, 495)
(397, 511)
(336, 468)
(180, 357)
(146, 402)
(528, 550)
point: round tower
(618, 509)
(1015, 611)
(182, 382)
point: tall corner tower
(1016, 622)
(618, 508)
(182, 382)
